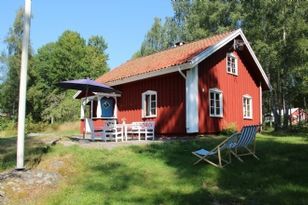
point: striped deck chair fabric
(246, 141)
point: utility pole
(23, 87)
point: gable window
(232, 64)
(247, 107)
(149, 104)
(215, 104)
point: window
(215, 97)
(232, 64)
(247, 107)
(149, 104)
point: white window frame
(216, 91)
(245, 115)
(231, 55)
(144, 105)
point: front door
(107, 105)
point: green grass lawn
(163, 174)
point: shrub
(229, 129)
(35, 126)
(8, 127)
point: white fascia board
(76, 94)
(255, 59)
(164, 71)
(98, 94)
(206, 53)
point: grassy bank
(35, 147)
(163, 174)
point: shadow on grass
(34, 150)
(279, 177)
(133, 186)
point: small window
(247, 107)
(232, 64)
(215, 98)
(149, 104)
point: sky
(122, 23)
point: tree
(10, 63)
(278, 32)
(153, 41)
(70, 57)
(164, 35)
(208, 17)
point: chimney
(179, 43)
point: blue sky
(122, 23)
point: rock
(25, 180)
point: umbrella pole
(84, 120)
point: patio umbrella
(87, 85)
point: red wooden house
(198, 87)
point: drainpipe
(181, 72)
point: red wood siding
(170, 102)
(98, 124)
(213, 74)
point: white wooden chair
(113, 131)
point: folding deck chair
(231, 145)
(246, 141)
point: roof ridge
(189, 43)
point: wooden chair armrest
(233, 136)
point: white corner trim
(261, 111)
(192, 101)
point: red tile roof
(160, 60)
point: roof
(172, 59)
(160, 60)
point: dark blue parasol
(88, 86)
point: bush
(229, 129)
(8, 127)
(35, 126)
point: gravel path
(87, 143)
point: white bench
(146, 129)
